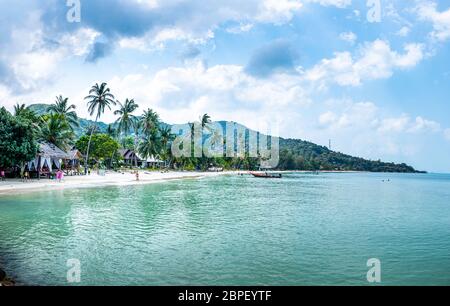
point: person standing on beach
(59, 176)
(2, 175)
(137, 175)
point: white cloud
(363, 129)
(78, 43)
(405, 124)
(5, 97)
(32, 68)
(241, 28)
(366, 115)
(149, 3)
(278, 11)
(349, 37)
(441, 20)
(424, 125)
(209, 16)
(337, 3)
(350, 115)
(395, 125)
(376, 60)
(224, 91)
(404, 31)
(32, 57)
(327, 119)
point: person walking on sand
(2, 175)
(137, 175)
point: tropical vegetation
(17, 140)
(146, 135)
(103, 148)
(99, 99)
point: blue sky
(311, 69)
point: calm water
(302, 229)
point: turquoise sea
(303, 229)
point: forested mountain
(304, 155)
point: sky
(371, 76)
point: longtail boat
(266, 175)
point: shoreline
(13, 187)
(17, 186)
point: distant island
(295, 154)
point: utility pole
(329, 144)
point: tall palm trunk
(135, 150)
(111, 161)
(88, 148)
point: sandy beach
(17, 186)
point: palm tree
(56, 130)
(166, 137)
(24, 112)
(150, 121)
(149, 124)
(126, 118)
(127, 121)
(205, 120)
(150, 145)
(19, 109)
(112, 132)
(99, 99)
(136, 129)
(62, 107)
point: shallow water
(300, 230)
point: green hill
(304, 155)
(41, 109)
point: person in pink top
(2, 175)
(59, 176)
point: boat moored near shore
(266, 175)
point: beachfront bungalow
(153, 162)
(74, 163)
(129, 157)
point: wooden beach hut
(129, 157)
(72, 165)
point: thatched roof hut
(51, 157)
(75, 154)
(49, 150)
